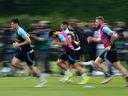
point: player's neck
(17, 27)
(102, 25)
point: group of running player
(69, 59)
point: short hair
(51, 33)
(65, 23)
(15, 20)
(100, 18)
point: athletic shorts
(28, 57)
(72, 58)
(77, 53)
(69, 56)
(63, 56)
(110, 55)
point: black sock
(107, 74)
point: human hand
(16, 44)
(55, 42)
(77, 42)
(108, 48)
(89, 39)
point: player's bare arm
(93, 39)
(64, 43)
(17, 44)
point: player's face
(97, 23)
(13, 25)
(54, 35)
(64, 26)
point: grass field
(17, 86)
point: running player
(68, 54)
(73, 38)
(25, 53)
(110, 53)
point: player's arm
(77, 42)
(17, 44)
(62, 40)
(76, 39)
(38, 38)
(93, 39)
(24, 35)
(27, 41)
(62, 43)
(71, 33)
(114, 37)
(112, 34)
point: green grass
(17, 86)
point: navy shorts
(69, 56)
(110, 55)
(63, 56)
(28, 57)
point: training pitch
(18, 86)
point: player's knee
(59, 63)
(96, 62)
(13, 63)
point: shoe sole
(41, 85)
(106, 81)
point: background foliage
(58, 10)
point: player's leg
(34, 71)
(124, 72)
(74, 61)
(30, 60)
(68, 74)
(118, 66)
(102, 67)
(62, 64)
(116, 63)
(16, 61)
(99, 64)
(38, 74)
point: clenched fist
(16, 44)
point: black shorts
(110, 55)
(69, 56)
(28, 57)
(77, 53)
(63, 56)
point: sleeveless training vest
(69, 44)
(104, 37)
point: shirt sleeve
(107, 30)
(61, 38)
(22, 33)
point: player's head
(14, 23)
(53, 34)
(64, 25)
(99, 21)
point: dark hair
(15, 20)
(100, 18)
(65, 23)
(51, 33)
